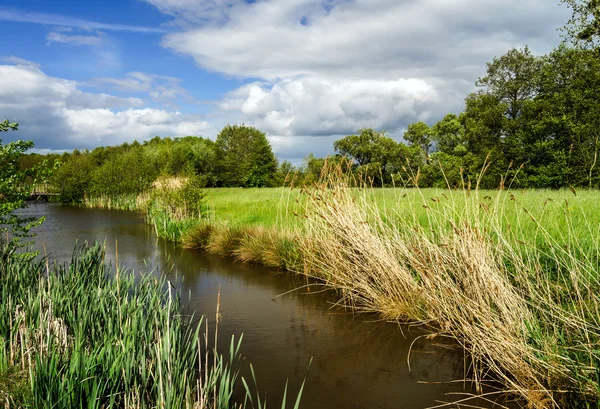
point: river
(358, 362)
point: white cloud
(56, 114)
(198, 11)
(159, 88)
(19, 61)
(362, 38)
(102, 126)
(54, 37)
(324, 106)
(329, 67)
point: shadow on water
(358, 362)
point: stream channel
(358, 361)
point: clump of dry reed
(269, 247)
(528, 316)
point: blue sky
(78, 74)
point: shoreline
(468, 278)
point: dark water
(357, 362)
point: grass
(518, 288)
(81, 335)
(266, 207)
(513, 275)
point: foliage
(80, 335)
(583, 29)
(15, 187)
(244, 157)
(377, 156)
(419, 134)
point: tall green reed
(82, 335)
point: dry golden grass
(527, 316)
(257, 245)
(170, 182)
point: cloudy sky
(79, 74)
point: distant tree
(512, 79)
(376, 155)
(562, 137)
(419, 134)
(73, 177)
(286, 172)
(367, 147)
(125, 172)
(448, 135)
(244, 157)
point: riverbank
(513, 276)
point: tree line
(240, 156)
(533, 122)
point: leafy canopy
(583, 29)
(15, 187)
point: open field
(558, 211)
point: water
(358, 362)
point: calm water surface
(357, 362)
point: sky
(80, 74)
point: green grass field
(558, 211)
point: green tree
(583, 29)
(512, 79)
(244, 157)
(562, 135)
(377, 156)
(72, 179)
(493, 119)
(419, 134)
(448, 135)
(286, 174)
(15, 187)
(126, 172)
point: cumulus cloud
(324, 106)
(56, 114)
(329, 67)
(367, 38)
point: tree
(562, 137)
(512, 79)
(244, 157)
(419, 134)
(448, 135)
(376, 155)
(365, 148)
(15, 187)
(73, 177)
(583, 29)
